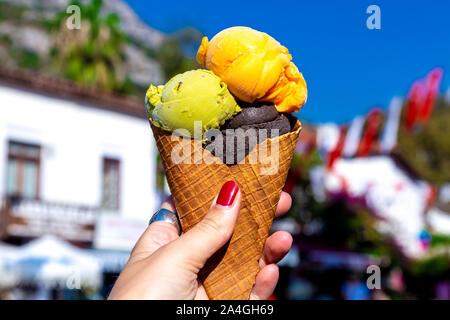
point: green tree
(92, 55)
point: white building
(72, 154)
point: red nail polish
(227, 193)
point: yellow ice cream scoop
(255, 67)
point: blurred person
(164, 265)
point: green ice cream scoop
(197, 95)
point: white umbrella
(7, 277)
(52, 262)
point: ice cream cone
(230, 274)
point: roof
(68, 90)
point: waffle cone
(230, 273)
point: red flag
(433, 82)
(415, 102)
(337, 151)
(372, 127)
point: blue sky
(348, 68)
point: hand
(164, 265)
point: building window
(111, 184)
(22, 172)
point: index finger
(283, 205)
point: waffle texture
(229, 274)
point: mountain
(146, 56)
(131, 24)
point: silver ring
(166, 216)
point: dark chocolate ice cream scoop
(251, 126)
(253, 115)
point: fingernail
(227, 193)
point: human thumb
(197, 245)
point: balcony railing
(29, 218)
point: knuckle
(161, 236)
(163, 231)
